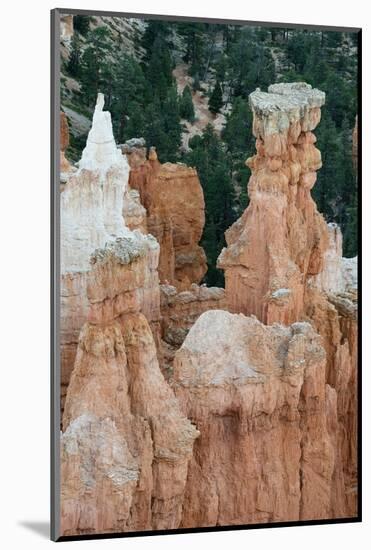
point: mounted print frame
(206, 191)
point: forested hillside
(184, 87)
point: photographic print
(205, 336)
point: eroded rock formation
(173, 197)
(338, 274)
(280, 239)
(331, 306)
(179, 312)
(125, 445)
(259, 397)
(92, 205)
(283, 264)
(180, 413)
(134, 213)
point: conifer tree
(154, 132)
(172, 127)
(74, 61)
(159, 69)
(81, 24)
(129, 87)
(186, 105)
(134, 124)
(216, 98)
(212, 162)
(96, 66)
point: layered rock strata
(125, 445)
(274, 404)
(92, 206)
(331, 306)
(173, 197)
(284, 264)
(267, 450)
(280, 239)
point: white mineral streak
(339, 274)
(92, 202)
(350, 274)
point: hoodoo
(173, 197)
(185, 405)
(190, 406)
(92, 205)
(280, 239)
(125, 445)
(276, 404)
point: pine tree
(96, 66)
(74, 61)
(186, 105)
(237, 134)
(216, 98)
(128, 89)
(208, 155)
(134, 124)
(155, 30)
(81, 24)
(154, 132)
(350, 243)
(221, 68)
(159, 69)
(330, 178)
(297, 48)
(333, 39)
(194, 36)
(172, 127)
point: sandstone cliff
(280, 239)
(92, 205)
(259, 398)
(191, 406)
(125, 445)
(284, 264)
(173, 197)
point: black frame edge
(103, 13)
(359, 275)
(283, 524)
(54, 286)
